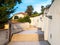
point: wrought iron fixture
(50, 17)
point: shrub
(25, 19)
(34, 15)
(2, 26)
(20, 20)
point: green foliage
(48, 6)
(35, 14)
(16, 17)
(1, 26)
(42, 9)
(52, 1)
(21, 20)
(25, 19)
(29, 10)
(6, 8)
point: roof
(22, 13)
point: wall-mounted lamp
(50, 35)
(50, 17)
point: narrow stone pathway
(28, 37)
(29, 43)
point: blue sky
(35, 3)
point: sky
(35, 3)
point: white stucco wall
(17, 27)
(45, 27)
(54, 26)
(37, 21)
(19, 15)
(46, 22)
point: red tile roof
(22, 13)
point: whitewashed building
(53, 25)
(19, 15)
(46, 22)
(37, 21)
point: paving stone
(29, 43)
(28, 37)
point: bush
(3, 21)
(25, 19)
(34, 15)
(1, 26)
(20, 20)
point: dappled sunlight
(25, 37)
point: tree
(48, 6)
(52, 2)
(42, 9)
(29, 10)
(6, 8)
(35, 12)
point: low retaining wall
(4, 36)
(17, 27)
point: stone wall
(17, 27)
(4, 36)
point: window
(16, 17)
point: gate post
(10, 35)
